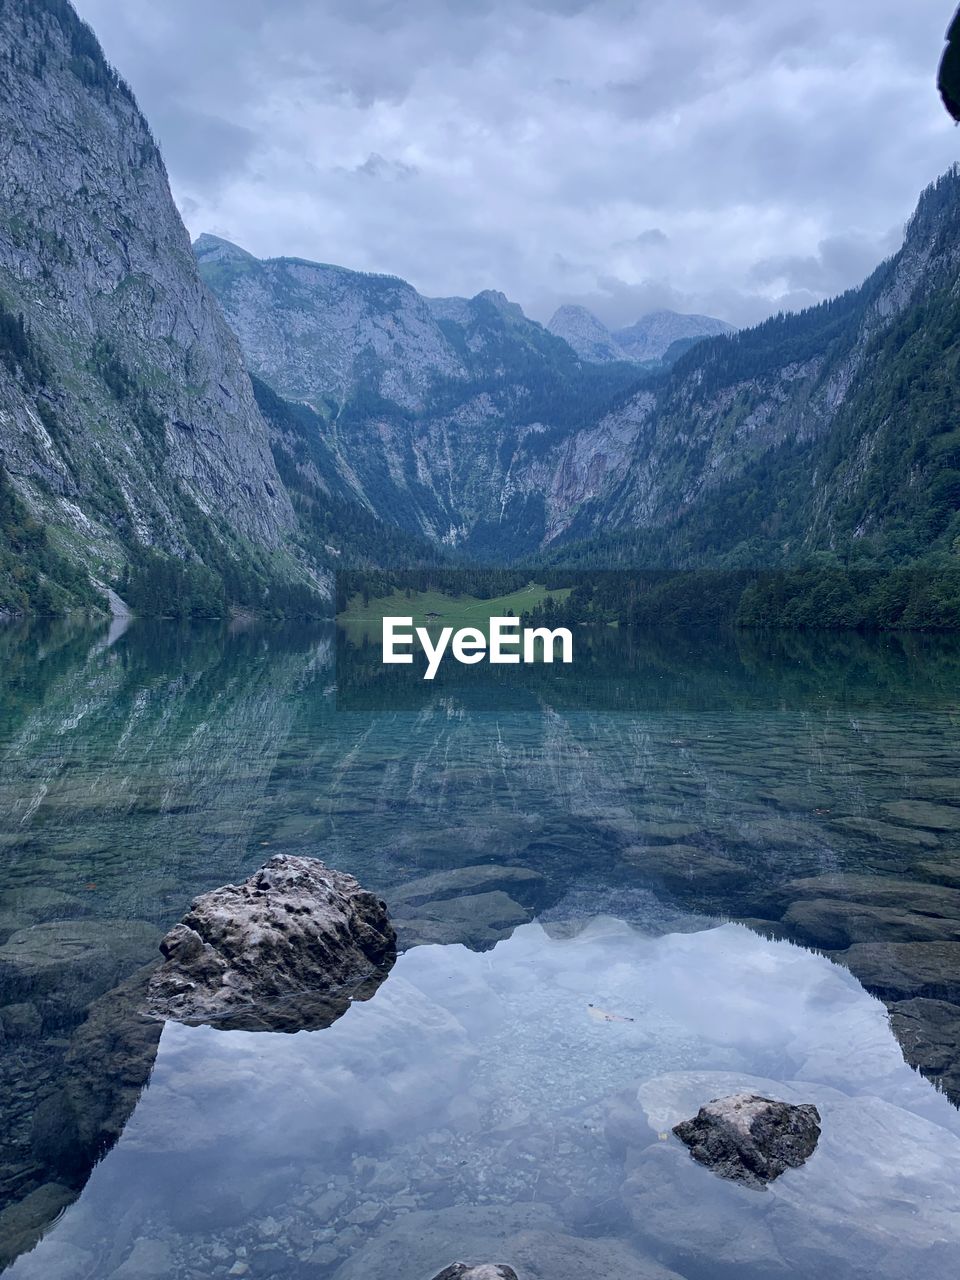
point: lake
(690, 865)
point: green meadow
(435, 609)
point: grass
(449, 611)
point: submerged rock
(530, 1234)
(61, 965)
(929, 1035)
(106, 1066)
(22, 1224)
(474, 905)
(486, 1271)
(903, 970)
(287, 950)
(478, 920)
(750, 1139)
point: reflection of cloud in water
(482, 1079)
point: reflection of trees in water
(671, 670)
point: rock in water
(287, 950)
(486, 1271)
(750, 1139)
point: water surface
(552, 854)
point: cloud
(724, 156)
(378, 166)
(652, 236)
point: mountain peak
(654, 333)
(502, 303)
(589, 337)
(210, 248)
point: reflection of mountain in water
(807, 786)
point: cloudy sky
(725, 156)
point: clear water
(507, 1095)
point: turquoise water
(582, 849)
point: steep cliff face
(457, 418)
(128, 422)
(827, 429)
(126, 416)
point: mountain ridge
(428, 409)
(649, 340)
(699, 462)
(136, 453)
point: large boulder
(751, 1139)
(287, 950)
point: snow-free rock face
(126, 414)
(287, 950)
(589, 337)
(750, 1139)
(459, 418)
(317, 332)
(488, 432)
(655, 333)
(647, 341)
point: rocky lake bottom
(743, 875)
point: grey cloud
(378, 166)
(837, 261)
(206, 148)
(725, 156)
(652, 237)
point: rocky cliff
(321, 332)
(457, 418)
(658, 337)
(128, 425)
(126, 417)
(588, 335)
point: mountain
(324, 331)
(655, 333)
(128, 425)
(832, 430)
(382, 426)
(660, 337)
(459, 419)
(826, 431)
(589, 337)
